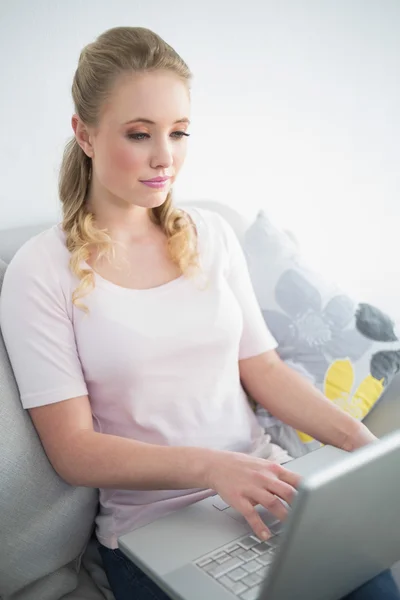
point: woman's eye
(138, 136)
(179, 134)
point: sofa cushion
(92, 564)
(45, 524)
(12, 239)
(349, 350)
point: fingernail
(264, 535)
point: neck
(122, 220)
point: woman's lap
(128, 582)
(382, 587)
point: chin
(152, 201)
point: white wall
(295, 109)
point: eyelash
(135, 136)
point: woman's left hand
(360, 437)
(295, 401)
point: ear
(82, 135)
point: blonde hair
(115, 52)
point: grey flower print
(309, 333)
(374, 324)
(384, 365)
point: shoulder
(42, 258)
(213, 229)
(210, 225)
(204, 217)
(217, 240)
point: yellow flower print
(338, 387)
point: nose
(162, 156)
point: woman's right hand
(244, 481)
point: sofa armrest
(12, 239)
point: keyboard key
(252, 580)
(252, 594)
(232, 585)
(232, 548)
(223, 569)
(266, 559)
(260, 575)
(247, 555)
(204, 561)
(228, 583)
(238, 552)
(274, 541)
(223, 558)
(210, 566)
(252, 566)
(277, 528)
(237, 574)
(218, 555)
(264, 572)
(238, 588)
(248, 542)
(258, 540)
(262, 548)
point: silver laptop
(342, 530)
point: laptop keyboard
(242, 565)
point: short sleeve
(256, 337)
(38, 331)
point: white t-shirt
(159, 365)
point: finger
(281, 489)
(272, 504)
(255, 521)
(289, 477)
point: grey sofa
(48, 549)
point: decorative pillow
(349, 350)
(45, 524)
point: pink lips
(156, 182)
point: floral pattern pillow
(348, 349)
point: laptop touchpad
(266, 516)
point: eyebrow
(141, 120)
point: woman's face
(141, 135)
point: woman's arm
(81, 456)
(295, 401)
(84, 457)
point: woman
(140, 326)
